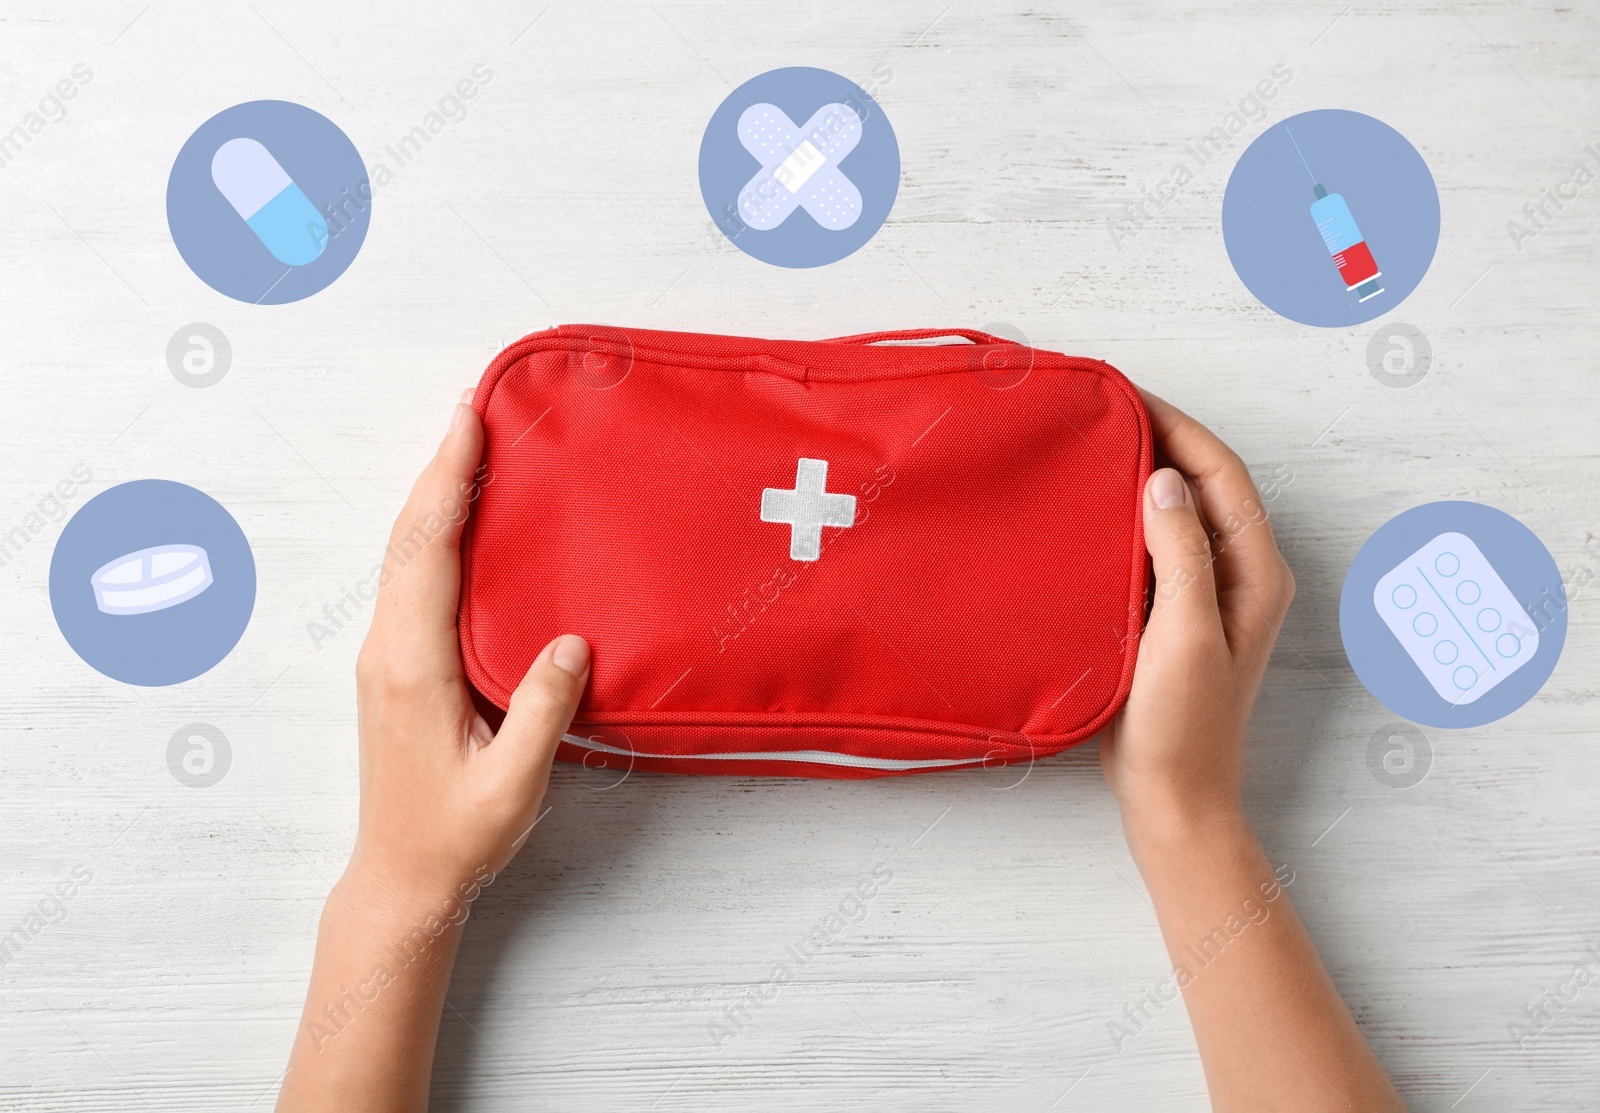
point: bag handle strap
(919, 334)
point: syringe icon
(1342, 238)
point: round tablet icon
(799, 167)
(1453, 614)
(268, 202)
(152, 582)
(1330, 218)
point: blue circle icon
(268, 202)
(1453, 614)
(799, 167)
(152, 582)
(1330, 218)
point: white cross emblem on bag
(807, 508)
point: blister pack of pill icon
(1456, 618)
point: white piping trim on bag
(812, 757)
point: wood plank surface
(985, 975)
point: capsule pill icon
(268, 200)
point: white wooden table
(1015, 928)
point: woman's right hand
(1221, 592)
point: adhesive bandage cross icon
(807, 508)
(799, 167)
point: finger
(422, 564)
(541, 711)
(1250, 572)
(1185, 597)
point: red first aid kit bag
(838, 558)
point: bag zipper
(808, 757)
